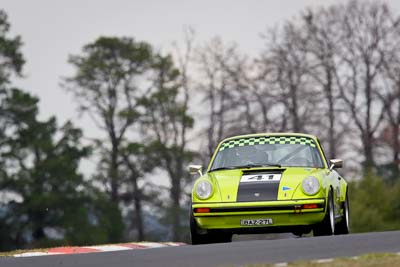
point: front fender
(324, 186)
(216, 195)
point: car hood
(231, 189)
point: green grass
(367, 260)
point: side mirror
(193, 169)
(336, 163)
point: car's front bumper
(283, 213)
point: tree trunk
(396, 151)
(211, 126)
(368, 135)
(331, 115)
(294, 110)
(138, 210)
(113, 172)
(368, 152)
(175, 197)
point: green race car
(268, 183)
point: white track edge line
(323, 260)
(109, 248)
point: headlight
(204, 189)
(310, 185)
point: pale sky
(51, 30)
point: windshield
(293, 151)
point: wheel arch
(329, 189)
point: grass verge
(367, 260)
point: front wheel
(206, 238)
(342, 227)
(327, 226)
(196, 237)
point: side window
(317, 160)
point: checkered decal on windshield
(272, 140)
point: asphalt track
(228, 254)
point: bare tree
(365, 33)
(217, 94)
(252, 100)
(390, 96)
(289, 66)
(323, 37)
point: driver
(251, 155)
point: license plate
(256, 222)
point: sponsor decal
(268, 177)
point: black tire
(195, 236)
(222, 237)
(297, 233)
(327, 226)
(206, 238)
(342, 227)
(301, 232)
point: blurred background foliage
(374, 205)
(330, 71)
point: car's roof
(269, 134)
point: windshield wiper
(223, 168)
(247, 166)
(260, 165)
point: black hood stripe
(264, 191)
